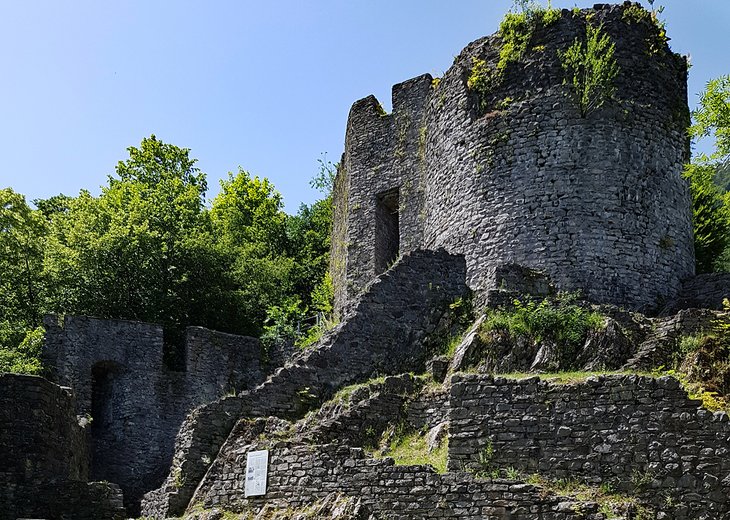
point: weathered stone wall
(429, 408)
(301, 474)
(639, 434)
(64, 500)
(704, 291)
(598, 202)
(45, 458)
(39, 435)
(384, 154)
(663, 343)
(116, 370)
(360, 418)
(386, 332)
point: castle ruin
(519, 175)
(457, 192)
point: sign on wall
(257, 467)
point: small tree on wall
(591, 68)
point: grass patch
(411, 449)
(343, 395)
(702, 364)
(428, 384)
(567, 378)
(453, 342)
(610, 503)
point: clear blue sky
(263, 84)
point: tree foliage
(708, 176)
(148, 248)
(142, 249)
(22, 235)
(712, 117)
(710, 216)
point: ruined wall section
(638, 434)
(704, 291)
(519, 174)
(39, 435)
(135, 404)
(387, 332)
(217, 363)
(75, 344)
(378, 192)
(45, 457)
(301, 474)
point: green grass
(607, 500)
(343, 394)
(411, 449)
(567, 378)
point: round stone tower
(510, 158)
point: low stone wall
(39, 436)
(641, 435)
(386, 333)
(430, 408)
(301, 474)
(704, 291)
(63, 501)
(45, 460)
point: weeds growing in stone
(591, 69)
(560, 320)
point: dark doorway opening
(173, 348)
(103, 374)
(387, 229)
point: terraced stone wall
(638, 434)
(388, 331)
(300, 474)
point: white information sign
(257, 468)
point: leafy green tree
(22, 235)
(722, 177)
(308, 234)
(20, 350)
(147, 248)
(144, 249)
(710, 216)
(249, 210)
(708, 176)
(712, 117)
(250, 229)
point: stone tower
(520, 173)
